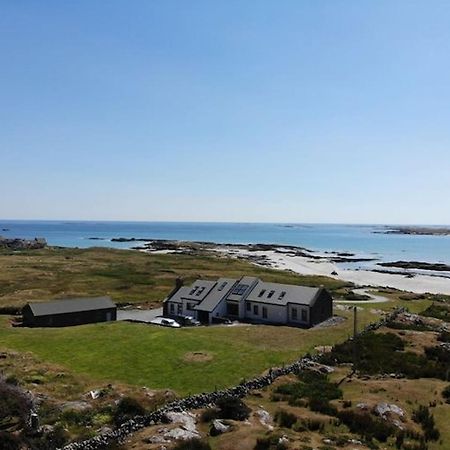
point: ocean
(361, 240)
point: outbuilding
(63, 313)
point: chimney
(178, 283)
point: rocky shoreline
(437, 267)
(417, 231)
(22, 244)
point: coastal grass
(159, 358)
(125, 275)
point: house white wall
(299, 308)
(275, 313)
(219, 311)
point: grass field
(125, 275)
(185, 360)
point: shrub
(271, 442)
(285, 419)
(192, 444)
(322, 406)
(232, 408)
(438, 311)
(9, 442)
(374, 353)
(127, 408)
(56, 438)
(367, 426)
(446, 393)
(423, 416)
(316, 388)
(208, 414)
(14, 403)
(444, 336)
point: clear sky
(278, 111)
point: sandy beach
(307, 266)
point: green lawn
(158, 357)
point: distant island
(419, 231)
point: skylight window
(240, 289)
(270, 294)
(261, 293)
(222, 286)
(281, 296)
(200, 291)
(193, 290)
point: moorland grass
(125, 275)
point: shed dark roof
(70, 306)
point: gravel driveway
(139, 315)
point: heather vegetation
(374, 353)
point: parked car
(165, 322)
(187, 321)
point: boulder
(218, 427)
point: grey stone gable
(71, 306)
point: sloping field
(187, 360)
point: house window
(179, 309)
(255, 310)
(240, 289)
(264, 312)
(232, 309)
(294, 313)
(262, 293)
(281, 296)
(270, 294)
(172, 308)
(249, 306)
(190, 306)
(304, 315)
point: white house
(251, 300)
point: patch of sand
(197, 357)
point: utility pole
(355, 331)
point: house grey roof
(178, 296)
(72, 305)
(220, 290)
(282, 294)
(196, 292)
(243, 288)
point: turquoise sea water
(359, 239)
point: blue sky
(293, 111)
